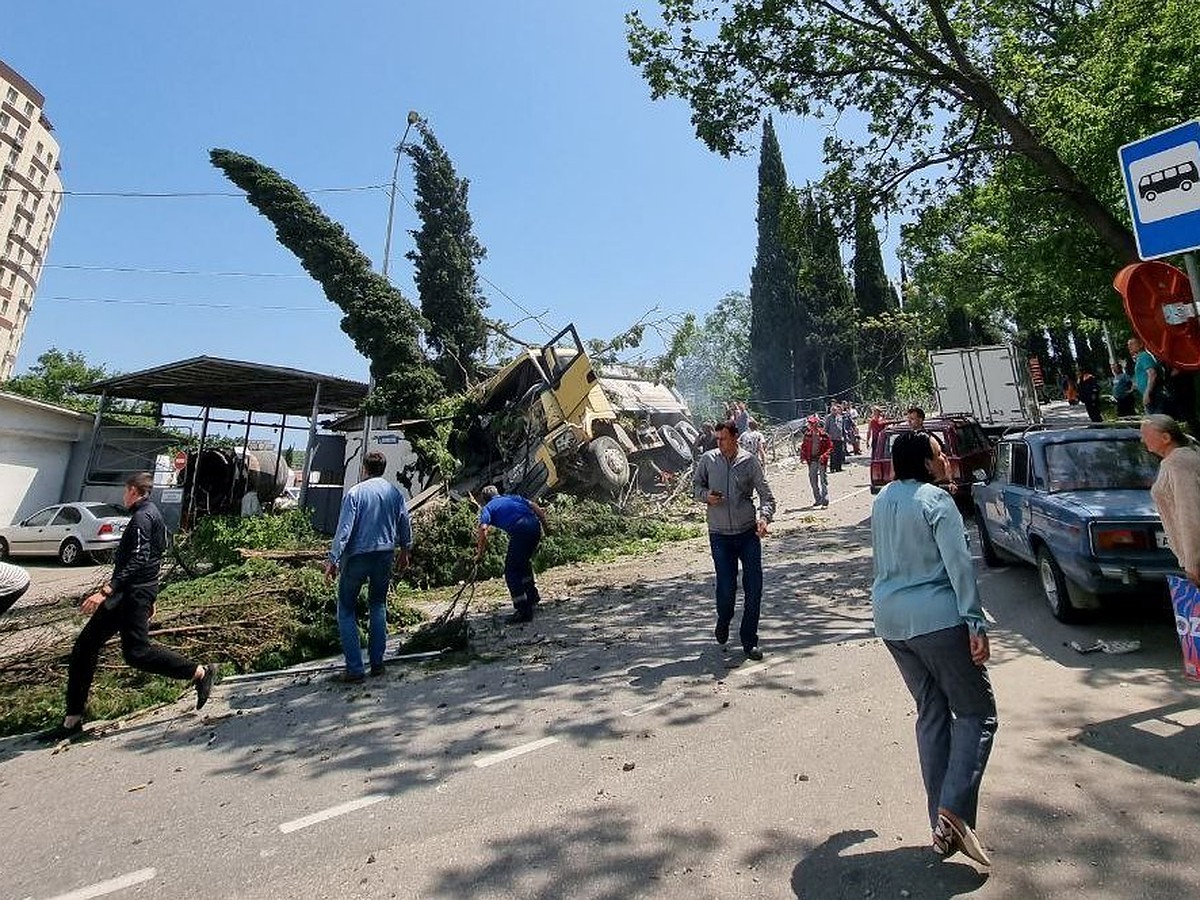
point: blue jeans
(523, 542)
(956, 717)
(374, 569)
(727, 551)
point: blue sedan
(1075, 502)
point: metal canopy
(230, 384)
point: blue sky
(595, 203)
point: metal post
(191, 511)
(92, 445)
(1193, 270)
(279, 447)
(312, 442)
(245, 453)
(413, 119)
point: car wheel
(610, 465)
(679, 452)
(70, 552)
(688, 430)
(1054, 587)
(3, 549)
(991, 558)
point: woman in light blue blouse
(927, 612)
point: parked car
(1075, 502)
(67, 531)
(966, 447)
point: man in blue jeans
(373, 534)
(522, 520)
(725, 481)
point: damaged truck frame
(545, 423)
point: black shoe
(205, 685)
(753, 653)
(376, 669)
(721, 633)
(60, 733)
(521, 615)
(346, 677)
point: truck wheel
(991, 558)
(688, 430)
(679, 451)
(3, 549)
(1054, 587)
(610, 465)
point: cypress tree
(444, 259)
(832, 304)
(772, 287)
(881, 355)
(382, 323)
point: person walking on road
(124, 605)
(14, 582)
(1123, 391)
(1176, 490)
(726, 480)
(1089, 394)
(755, 442)
(927, 611)
(875, 426)
(1147, 377)
(373, 536)
(524, 522)
(834, 428)
(814, 452)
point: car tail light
(1121, 539)
(106, 528)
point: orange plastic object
(1158, 301)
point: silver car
(67, 531)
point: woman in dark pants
(927, 611)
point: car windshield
(105, 510)
(1099, 465)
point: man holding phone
(725, 481)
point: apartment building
(30, 198)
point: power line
(145, 271)
(198, 304)
(171, 195)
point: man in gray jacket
(725, 480)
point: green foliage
(774, 313)
(216, 539)
(382, 323)
(716, 359)
(948, 89)
(445, 257)
(56, 378)
(444, 552)
(874, 296)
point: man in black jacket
(124, 606)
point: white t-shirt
(12, 579)
(751, 441)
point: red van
(963, 441)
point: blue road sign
(1162, 184)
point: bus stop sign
(1162, 184)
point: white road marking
(492, 758)
(750, 670)
(646, 707)
(340, 810)
(108, 887)
(849, 495)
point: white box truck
(991, 383)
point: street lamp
(413, 118)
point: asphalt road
(612, 750)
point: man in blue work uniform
(725, 481)
(374, 534)
(522, 520)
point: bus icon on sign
(1180, 178)
(1168, 182)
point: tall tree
(444, 258)
(713, 369)
(960, 87)
(831, 303)
(881, 359)
(382, 323)
(808, 350)
(56, 378)
(772, 287)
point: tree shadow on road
(828, 873)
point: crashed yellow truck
(548, 422)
